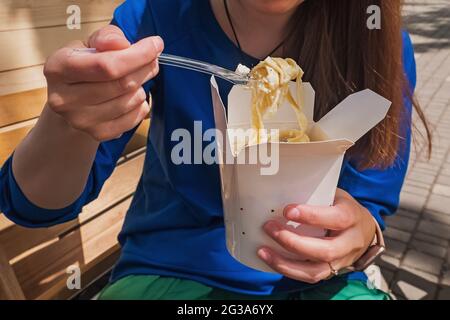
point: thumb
(108, 38)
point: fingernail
(142, 94)
(113, 36)
(293, 214)
(158, 42)
(264, 254)
(271, 227)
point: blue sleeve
(379, 190)
(15, 205)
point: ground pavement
(417, 262)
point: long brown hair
(340, 55)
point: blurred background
(33, 263)
(417, 262)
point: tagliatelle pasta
(270, 90)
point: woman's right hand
(101, 93)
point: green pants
(144, 287)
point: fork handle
(186, 63)
(200, 66)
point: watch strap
(373, 251)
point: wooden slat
(24, 14)
(90, 273)
(40, 271)
(139, 139)
(9, 286)
(9, 140)
(5, 223)
(30, 47)
(122, 183)
(21, 106)
(22, 80)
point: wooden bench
(33, 262)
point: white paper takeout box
(308, 173)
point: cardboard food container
(307, 173)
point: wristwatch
(376, 248)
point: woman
(173, 244)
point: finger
(108, 38)
(53, 65)
(340, 216)
(76, 44)
(112, 129)
(340, 194)
(89, 116)
(306, 271)
(109, 65)
(88, 93)
(317, 249)
(120, 106)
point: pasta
(270, 90)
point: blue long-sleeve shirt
(175, 226)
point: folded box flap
(355, 115)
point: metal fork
(195, 65)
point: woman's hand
(352, 231)
(92, 97)
(100, 93)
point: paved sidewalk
(417, 262)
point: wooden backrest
(33, 262)
(30, 30)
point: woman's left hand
(352, 231)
